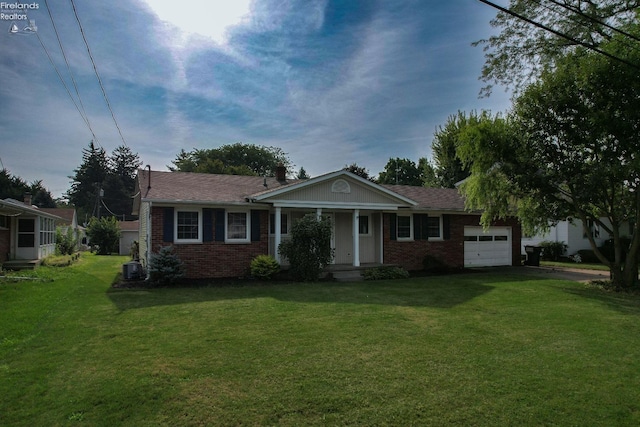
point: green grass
(583, 266)
(471, 349)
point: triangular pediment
(336, 189)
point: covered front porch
(356, 235)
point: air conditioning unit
(132, 271)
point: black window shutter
(393, 218)
(167, 225)
(421, 226)
(207, 225)
(446, 227)
(219, 237)
(255, 226)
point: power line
(580, 13)
(95, 69)
(64, 56)
(55, 67)
(594, 20)
(559, 34)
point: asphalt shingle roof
(213, 188)
(202, 187)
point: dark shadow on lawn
(626, 303)
(438, 292)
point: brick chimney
(281, 173)
(27, 199)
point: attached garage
(487, 248)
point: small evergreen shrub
(385, 273)
(165, 268)
(264, 267)
(553, 251)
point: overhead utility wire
(55, 67)
(73, 80)
(595, 20)
(95, 69)
(559, 34)
(575, 19)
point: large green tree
(233, 159)
(521, 51)
(361, 171)
(87, 180)
(103, 185)
(569, 150)
(119, 183)
(14, 187)
(401, 172)
(449, 170)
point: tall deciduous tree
(358, 170)
(449, 169)
(570, 150)
(233, 159)
(401, 172)
(521, 51)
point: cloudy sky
(329, 82)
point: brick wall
(411, 254)
(5, 242)
(213, 259)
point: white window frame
(440, 231)
(175, 226)
(284, 215)
(247, 239)
(405, 239)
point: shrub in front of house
(309, 248)
(165, 267)
(264, 267)
(385, 273)
(553, 251)
(65, 242)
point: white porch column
(318, 213)
(356, 238)
(278, 232)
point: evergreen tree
(87, 182)
(14, 187)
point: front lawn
(469, 349)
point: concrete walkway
(566, 273)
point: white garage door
(485, 249)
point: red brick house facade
(218, 223)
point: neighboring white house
(572, 234)
(68, 221)
(27, 233)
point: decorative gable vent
(340, 186)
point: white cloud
(207, 18)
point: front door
(343, 237)
(26, 239)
